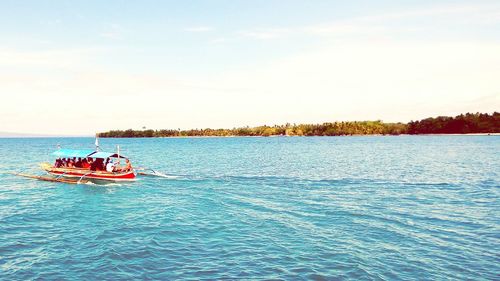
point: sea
(275, 208)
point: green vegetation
(462, 124)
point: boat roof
(73, 152)
(85, 153)
(102, 154)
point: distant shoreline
(469, 123)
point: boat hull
(88, 174)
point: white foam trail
(158, 174)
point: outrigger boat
(87, 174)
(75, 175)
(84, 175)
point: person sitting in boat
(128, 166)
(97, 165)
(93, 165)
(78, 163)
(85, 164)
(58, 163)
(100, 164)
(110, 166)
(90, 161)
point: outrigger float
(75, 175)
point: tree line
(461, 124)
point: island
(469, 123)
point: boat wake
(154, 173)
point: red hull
(87, 174)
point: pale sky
(80, 67)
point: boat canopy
(102, 154)
(73, 152)
(83, 153)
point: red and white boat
(89, 174)
(82, 166)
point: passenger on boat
(85, 164)
(96, 165)
(99, 162)
(126, 168)
(78, 163)
(93, 166)
(58, 163)
(110, 166)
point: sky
(81, 67)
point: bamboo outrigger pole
(43, 178)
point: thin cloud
(48, 58)
(266, 33)
(218, 40)
(51, 22)
(453, 14)
(199, 29)
(474, 14)
(114, 31)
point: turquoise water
(354, 208)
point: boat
(92, 174)
(87, 174)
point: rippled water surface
(358, 208)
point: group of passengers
(94, 165)
(86, 163)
